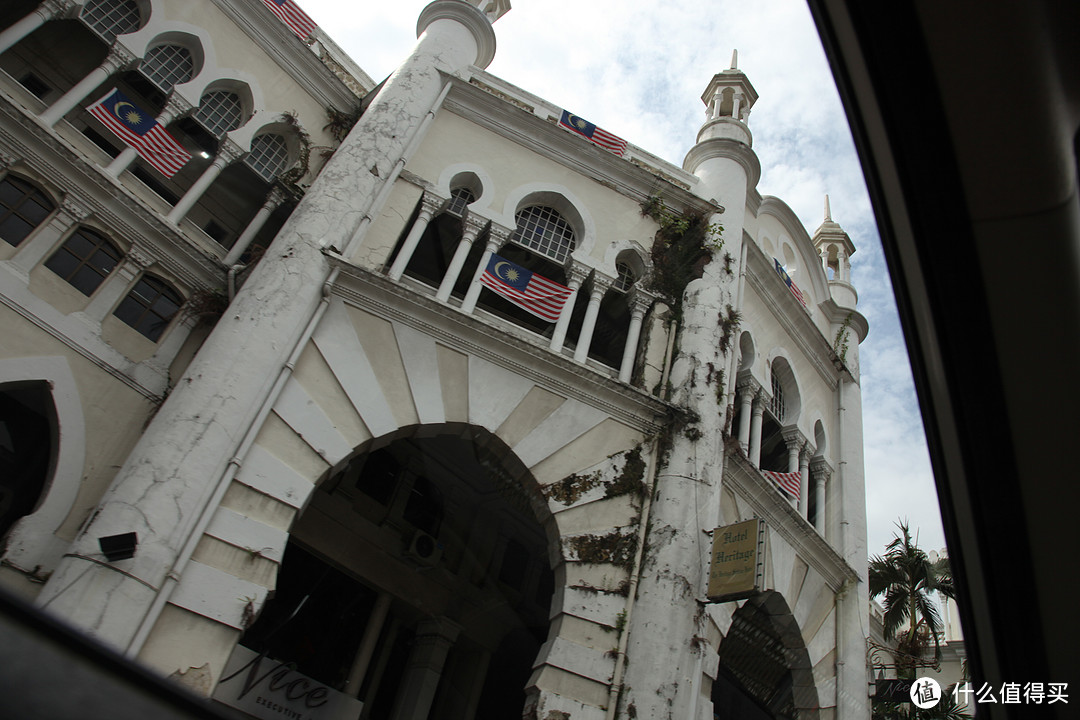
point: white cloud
(638, 69)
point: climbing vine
(300, 169)
(843, 335)
(682, 247)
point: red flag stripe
(297, 20)
(788, 482)
(157, 147)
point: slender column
(640, 302)
(804, 481)
(433, 641)
(114, 286)
(497, 237)
(600, 286)
(473, 226)
(820, 476)
(118, 57)
(45, 12)
(228, 152)
(843, 265)
(577, 274)
(755, 428)
(746, 399)
(428, 207)
(367, 643)
(32, 251)
(175, 106)
(275, 197)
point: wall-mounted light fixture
(119, 547)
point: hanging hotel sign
(737, 567)
(271, 690)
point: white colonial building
(278, 381)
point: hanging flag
(586, 129)
(787, 281)
(788, 482)
(141, 131)
(290, 14)
(542, 297)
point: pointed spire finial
(734, 59)
(828, 211)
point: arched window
(776, 403)
(22, 208)
(625, 279)
(219, 112)
(149, 306)
(460, 198)
(84, 260)
(109, 18)
(544, 230)
(168, 65)
(269, 156)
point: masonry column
(46, 11)
(428, 207)
(169, 488)
(577, 273)
(820, 473)
(639, 303)
(118, 57)
(273, 199)
(600, 285)
(804, 481)
(227, 152)
(473, 226)
(497, 237)
(432, 643)
(760, 400)
(113, 287)
(746, 400)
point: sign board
(736, 569)
(269, 689)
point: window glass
(22, 208)
(149, 307)
(84, 260)
(544, 230)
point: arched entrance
(765, 671)
(27, 448)
(417, 579)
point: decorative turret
(728, 100)
(835, 248)
(494, 9)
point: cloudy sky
(638, 69)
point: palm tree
(908, 579)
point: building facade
(284, 381)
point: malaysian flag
(586, 129)
(297, 20)
(787, 281)
(538, 295)
(141, 131)
(788, 482)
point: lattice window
(544, 230)
(109, 18)
(459, 200)
(168, 65)
(149, 306)
(625, 279)
(219, 112)
(776, 404)
(84, 260)
(269, 156)
(22, 208)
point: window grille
(22, 208)
(84, 260)
(219, 112)
(168, 65)
(460, 199)
(625, 279)
(269, 156)
(109, 18)
(149, 306)
(544, 230)
(776, 404)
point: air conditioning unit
(424, 549)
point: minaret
(174, 480)
(662, 678)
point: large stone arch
(371, 376)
